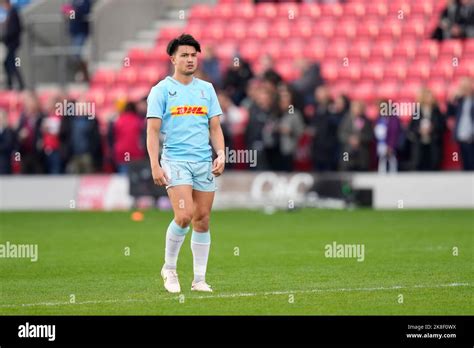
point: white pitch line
(240, 294)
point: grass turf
(280, 269)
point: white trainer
(170, 278)
(201, 286)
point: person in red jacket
(127, 138)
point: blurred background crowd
(293, 122)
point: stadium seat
(310, 10)
(266, 10)
(201, 11)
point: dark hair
(182, 40)
(130, 107)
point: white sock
(200, 245)
(175, 236)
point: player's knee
(201, 222)
(183, 219)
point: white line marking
(240, 294)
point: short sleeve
(156, 103)
(214, 108)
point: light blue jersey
(185, 111)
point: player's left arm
(217, 140)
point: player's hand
(218, 165)
(159, 176)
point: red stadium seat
(224, 11)
(201, 11)
(281, 29)
(360, 48)
(373, 70)
(236, 30)
(368, 29)
(383, 49)
(103, 77)
(346, 28)
(439, 88)
(329, 70)
(419, 69)
(409, 90)
(287, 70)
(424, 8)
(226, 50)
(315, 51)
(304, 28)
(128, 75)
(443, 69)
(325, 28)
(428, 49)
(215, 30)
(274, 48)
(452, 48)
(266, 10)
(245, 11)
(351, 71)
(387, 90)
(332, 10)
(338, 49)
(413, 29)
(354, 9)
(363, 91)
(293, 48)
(169, 33)
(392, 29)
(376, 9)
(249, 49)
(406, 49)
(258, 29)
(396, 69)
(288, 10)
(311, 10)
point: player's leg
(201, 237)
(182, 202)
(180, 194)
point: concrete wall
(115, 21)
(239, 190)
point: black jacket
(13, 28)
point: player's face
(185, 60)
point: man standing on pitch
(184, 109)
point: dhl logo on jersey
(188, 110)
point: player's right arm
(153, 147)
(156, 108)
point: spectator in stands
(50, 128)
(7, 144)
(211, 67)
(426, 133)
(82, 141)
(310, 79)
(323, 128)
(387, 133)
(290, 128)
(355, 135)
(338, 110)
(457, 20)
(126, 138)
(253, 86)
(268, 71)
(233, 120)
(28, 135)
(259, 135)
(464, 125)
(77, 12)
(11, 40)
(236, 78)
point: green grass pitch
(259, 264)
